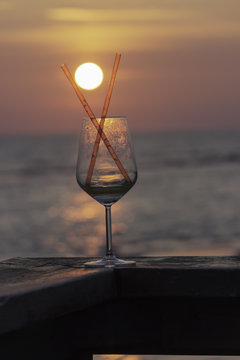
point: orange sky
(180, 66)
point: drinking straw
(104, 114)
(94, 121)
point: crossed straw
(99, 127)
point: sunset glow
(89, 76)
(179, 67)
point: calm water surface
(186, 200)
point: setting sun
(89, 76)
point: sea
(186, 200)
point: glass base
(110, 261)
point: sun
(89, 76)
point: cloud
(128, 29)
(130, 15)
(112, 37)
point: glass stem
(108, 231)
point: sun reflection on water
(79, 224)
(86, 219)
(73, 214)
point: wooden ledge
(33, 289)
(166, 305)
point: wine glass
(114, 172)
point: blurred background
(178, 84)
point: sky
(179, 70)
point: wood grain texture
(38, 289)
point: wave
(201, 161)
(144, 163)
(36, 171)
(54, 155)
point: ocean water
(186, 200)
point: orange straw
(94, 121)
(104, 114)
